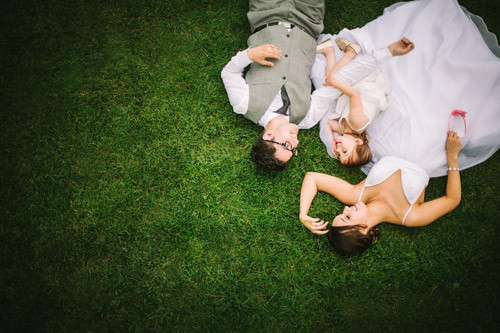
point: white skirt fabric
(450, 68)
(373, 97)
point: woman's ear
(358, 141)
(364, 231)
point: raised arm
(357, 117)
(430, 211)
(314, 182)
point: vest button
(288, 35)
(286, 55)
(284, 77)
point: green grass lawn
(129, 201)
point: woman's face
(352, 215)
(345, 146)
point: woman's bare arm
(314, 182)
(430, 211)
(357, 117)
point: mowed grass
(129, 201)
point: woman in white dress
(393, 192)
(359, 104)
(348, 124)
(455, 65)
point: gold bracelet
(453, 169)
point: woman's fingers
(319, 227)
(334, 150)
(453, 144)
(314, 224)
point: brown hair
(263, 155)
(350, 241)
(362, 154)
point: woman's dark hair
(263, 155)
(350, 241)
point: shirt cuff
(242, 59)
(382, 55)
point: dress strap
(361, 194)
(406, 215)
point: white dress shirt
(238, 91)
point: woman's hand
(429, 211)
(334, 126)
(314, 224)
(261, 52)
(453, 145)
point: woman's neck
(376, 213)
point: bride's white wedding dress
(450, 68)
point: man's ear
(268, 135)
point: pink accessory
(459, 113)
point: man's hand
(260, 53)
(314, 224)
(401, 47)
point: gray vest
(298, 49)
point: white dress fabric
(414, 179)
(373, 96)
(450, 68)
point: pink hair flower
(458, 113)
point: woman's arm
(334, 127)
(314, 182)
(357, 117)
(428, 212)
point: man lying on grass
(275, 92)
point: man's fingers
(409, 44)
(273, 54)
(271, 49)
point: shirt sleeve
(321, 102)
(382, 55)
(234, 82)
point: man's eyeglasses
(288, 146)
